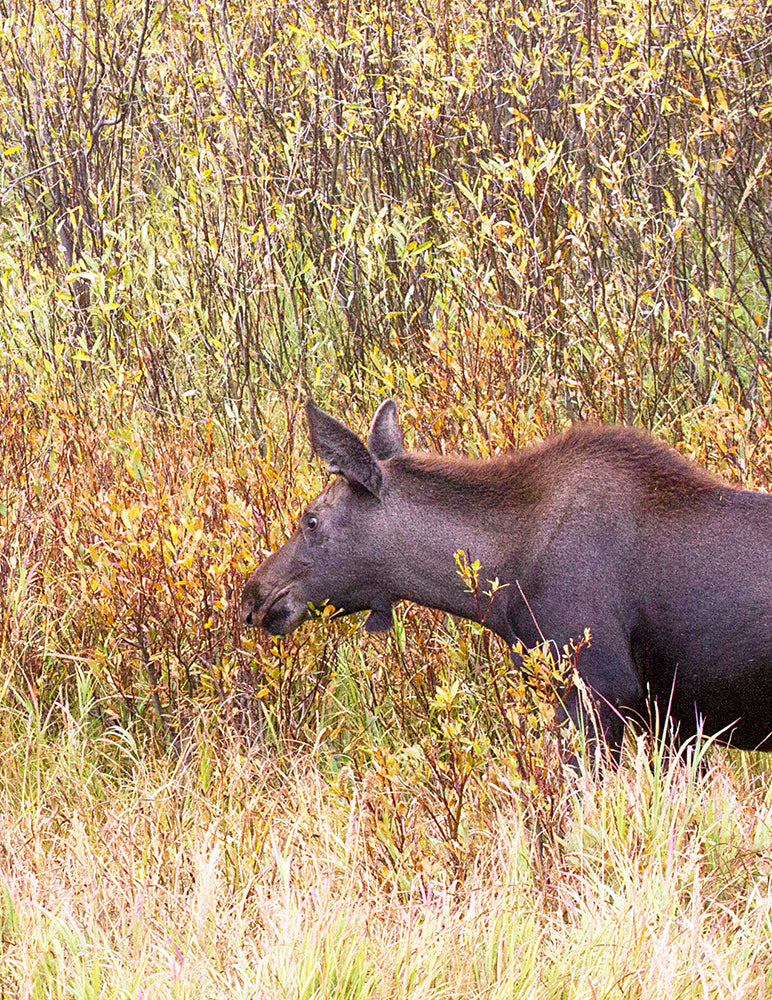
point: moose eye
(312, 522)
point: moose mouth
(278, 616)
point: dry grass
(239, 874)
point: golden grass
(231, 873)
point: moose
(600, 527)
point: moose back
(600, 527)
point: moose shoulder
(601, 528)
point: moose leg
(613, 689)
(605, 666)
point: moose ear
(385, 440)
(342, 451)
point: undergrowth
(242, 872)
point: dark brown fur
(530, 474)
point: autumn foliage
(506, 216)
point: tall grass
(233, 874)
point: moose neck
(442, 506)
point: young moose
(600, 528)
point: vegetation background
(508, 215)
